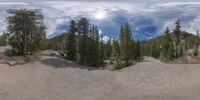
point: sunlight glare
(100, 15)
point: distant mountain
(183, 35)
(60, 37)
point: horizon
(147, 19)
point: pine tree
(165, 44)
(155, 49)
(96, 60)
(133, 49)
(177, 32)
(102, 50)
(71, 41)
(108, 48)
(3, 39)
(137, 50)
(89, 47)
(125, 43)
(25, 28)
(196, 51)
(83, 26)
(171, 51)
(43, 38)
(198, 38)
(196, 47)
(116, 55)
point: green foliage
(196, 50)
(57, 43)
(86, 47)
(3, 39)
(177, 40)
(125, 43)
(108, 50)
(167, 46)
(82, 43)
(71, 41)
(83, 34)
(116, 55)
(41, 38)
(170, 51)
(26, 31)
(172, 45)
(138, 50)
(155, 49)
(126, 50)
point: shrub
(196, 50)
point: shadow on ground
(62, 63)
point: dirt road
(53, 78)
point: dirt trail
(53, 78)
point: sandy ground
(53, 78)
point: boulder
(20, 62)
(12, 63)
(101, 68)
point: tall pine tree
(71, 41)
(125, 43)
(177, 32)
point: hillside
(184, 35)
(154, 47)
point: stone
(101, 68)
(20, 62)
(12, 63)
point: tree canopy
(26, 31)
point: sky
(147, 18)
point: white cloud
(171, 4)
(105, 39)
(60, 12)
(13, 3)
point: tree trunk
(24, 46)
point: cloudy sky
(148, 18)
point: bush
(1, 56)
(116, 62)
(196, 51)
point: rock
(61, 53)
(188, 52)
(101, 68)
(52, 54)
(12, 63)
(20, 62)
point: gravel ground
(53, 78)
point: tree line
(84, 44)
